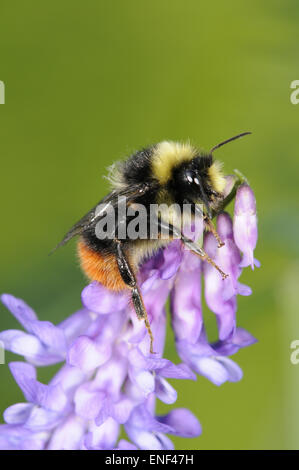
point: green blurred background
(89, 82)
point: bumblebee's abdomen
(101, 267)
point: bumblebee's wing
(93, 216)
(87, 221)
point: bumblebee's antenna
(229, 140)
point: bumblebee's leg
(211, 227)
(174, 232)
(129, 278)
(208, 223)
(202, 254)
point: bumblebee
(168, 173)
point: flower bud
(245, 225)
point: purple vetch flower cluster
(108, 377)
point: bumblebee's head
(191, 176)
(199, 180)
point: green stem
(239, 179)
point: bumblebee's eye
(192, 178)
(189, 177)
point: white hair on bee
(115, 176)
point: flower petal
(234, 372)
(183, 422)
(98, 299)
(104, 436)
(144, 380)
(211, 369)
(88, 402)
(21, 343)
(69, 378)
(49, 335)
(172, 259)
(243, 338)
(41, 419)
(122, 409)
(125, 445)
(164, 391)
(69, 435)
(48, 396)
(76, 324)
(18, 413)
(186, 299)
(20, 310)
(15, 437)
(25, 376)
(139, 361)
(179, 371)
(245, 224)
(86, 354)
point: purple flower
(108, 375)
(42, 343)
(221, 295)
(108, 378)
(211, 360)
(148, 432)
(245, 225)
(185, 299)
